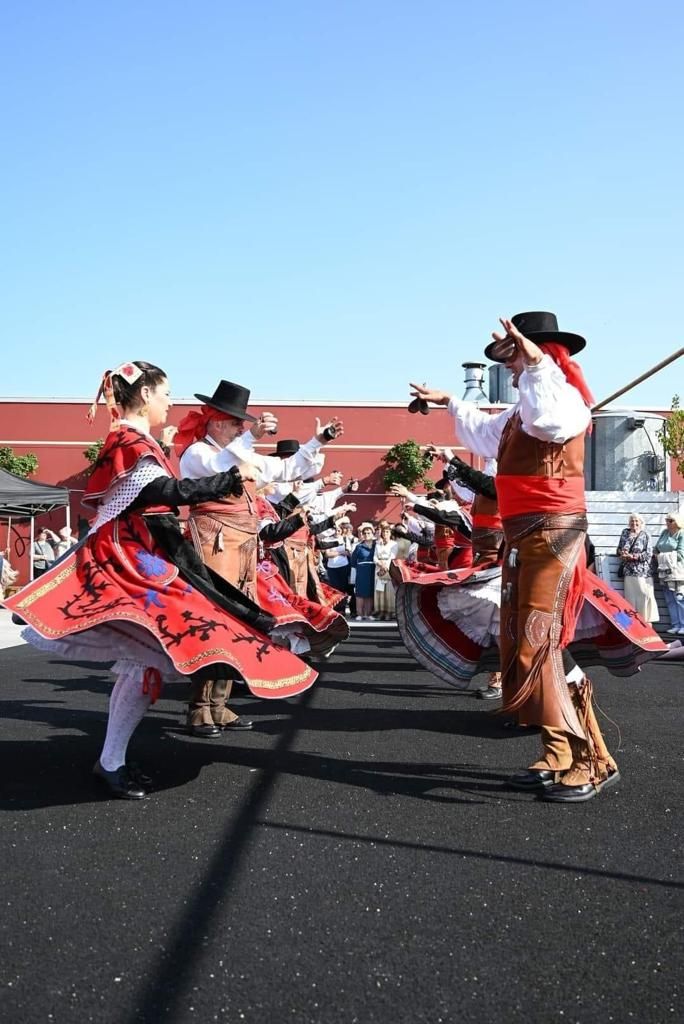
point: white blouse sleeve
(202, 459)
(478, 431)
(307, 462)
(550, 408)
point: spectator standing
(43, 552)
(669, 555)
(337, 558)
(386, 549)
(363, 572)
(65, 541)
(636, 556)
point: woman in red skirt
(135, 592)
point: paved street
(357, 858)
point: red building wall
(57, 432)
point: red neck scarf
(193, 427)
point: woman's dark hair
(435, 496)
(125, 394)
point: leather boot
(592, 769)
(557, 753)
(199, 720)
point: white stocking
(127, 705)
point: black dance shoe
(204, 732)
(119, 783)
(489, 693)
(138, 775)
(533, 778)
(238, 724)
(560, 794)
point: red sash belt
(492, 521)
(519, 495)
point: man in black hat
(225, 533)
(539, 445)
(217, 436)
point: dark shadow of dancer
(172, 977)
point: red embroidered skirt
(121, 574)
(321, 625)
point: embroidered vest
(225, 534)
(538, 476)
(119, 455)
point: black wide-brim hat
(286, 447)
(538, 327)
(231, 399)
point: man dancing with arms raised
(539, 445)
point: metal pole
(644, 376)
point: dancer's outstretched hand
(399, 491)
(330, 430)
(530, 352)
(429, 394)
(266, 424)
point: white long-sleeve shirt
(204, 458)
(550, 409)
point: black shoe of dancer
(119, 783)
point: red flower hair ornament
(130, 373)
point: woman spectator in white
(385, 550)
(636, 553)
(65, 541)
(669, 555)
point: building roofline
(341, 403)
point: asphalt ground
(356, 858)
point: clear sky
(322, 199)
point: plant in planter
(20, 465)
(406, 464)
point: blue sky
(324, 200)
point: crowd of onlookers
(48, 547)
(358, 564)
(641, 561)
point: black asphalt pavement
(355, 858)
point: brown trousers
(538, 567)
(537, 570)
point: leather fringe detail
(582, 697)
(532, 681)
